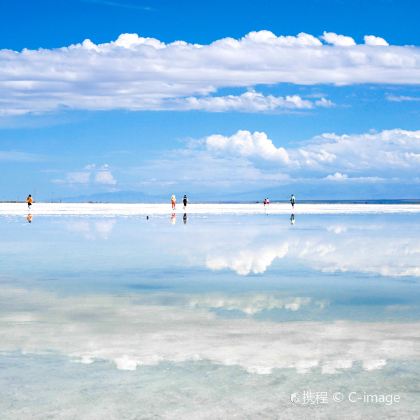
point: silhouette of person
(184, 218)
(29, 200)
(293, 201)
(292, 219)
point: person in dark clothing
(185, 201)
(293, 201)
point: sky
(217, 100)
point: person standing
(29, 201)
(173, 201)
(185, 201)
(293, 201)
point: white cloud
(105, 177)
(338, 176)
(402, 98)
(338, 40)
(92, 174)
(375, 40)
(245, 143)
(325, 103)
(138, 73)
(245, 161)
(268, 37)
(250, 101)
(375, 151)
(367, 156)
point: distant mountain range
(306, 194)
(115, 197)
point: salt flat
(124, 209)
(223, 310)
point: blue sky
(244, 106)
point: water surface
(209, 316)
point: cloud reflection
(337, 248)
(130, 331)
(98, 229)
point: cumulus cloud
(104, 176)
(91, 174)
(375, 40)
(367, 155)
(139, 73)
(245, 143)
(244, 161)
(338, 40)
(393, 150)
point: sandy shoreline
(117, 209)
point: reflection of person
(173, 201)
(29, 200)
(29, 218)
(173, 218)
(293, 201)
(292, 219)
(184, 218)
(185, 201)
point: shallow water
(210, 316)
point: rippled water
(210, 316)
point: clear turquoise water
(218, 317)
